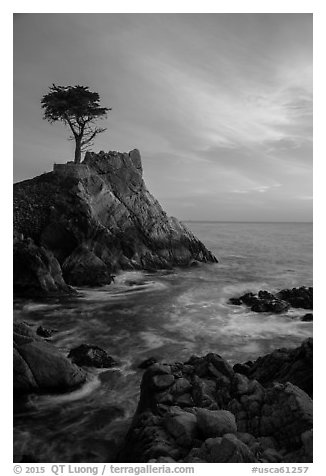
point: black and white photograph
(162, 240)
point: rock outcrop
(265, 301)
(40, 366)
(36, 271)
(298, 297)
(204, 411)
(92, 219)
(283, 365)
(91, 356)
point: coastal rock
(307, 317)
(44, 332)
(265, 301)
(147, 363)
(212, 423)
(275, 306)
(182, 426)
(84, 268)
(284, 365)
(162, 382)
(307, 440)
(91, 356)
(93, 219)
(229, 450)
(235, 301)
(301, 297)
(223, 416)
(261, 302)
(271, 456)
(36, 272)
(40, 367)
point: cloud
(217, 116)
(219, 105)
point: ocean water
(170, 315)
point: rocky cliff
(87, 221)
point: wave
(45, 401)
(125, 284)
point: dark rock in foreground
(40, 366)
(204, 411)
(298, 297)
(307, 317)
(92, 219)
(147, 363)
(283, 365)
(84, 268)
(91, 356)
(264, 301)
(44, 332)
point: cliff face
(98, 217)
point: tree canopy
(78, 108)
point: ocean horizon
(169, 315)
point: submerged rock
(91, 356)
(307, 317)
(44, 332)
(40, 366)
(93, 219)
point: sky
(219, 105)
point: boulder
(301, 297)
(230, 450)
(84, 268)
(307, 440)
(215, 423)
(181, 386)
(182, 426)
(40, 367)
(24, 381)
(36, 272)
(91, 356)
(276, 306)
(270, 455)
(265, 301)
(284, 365)
(147, 363)
(307, 317)
(202, 411)
(44, 332)
(162, 382)
(235, 301)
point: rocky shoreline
(202, 410)
(80, 224)
(280, 302)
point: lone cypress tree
(78, 108)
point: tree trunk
(78, 150)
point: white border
(167, 6)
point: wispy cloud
(219, 105)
